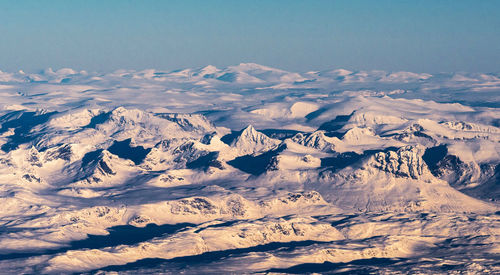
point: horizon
(423, 36)
(352, 71)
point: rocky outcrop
(405, 162)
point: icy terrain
(249, 169)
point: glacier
(249, 169)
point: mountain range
(249, 169)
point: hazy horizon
(421, 36)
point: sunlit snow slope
(249, 169)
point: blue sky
(104, 35)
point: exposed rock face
(405, 162)
(63, 152)
(33, 157)
(200, 206)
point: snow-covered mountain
(249, 169)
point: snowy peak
(253, 67)
(100, 168)
(250, 133)
(97, 165)
(404, 77)
(206, 71)
(259, 73)
(358, 134)
(316, 140)
(191, 122)
(471, 127)
(335, 73)
(251, 141)
(369, 118)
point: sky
(105, 35)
